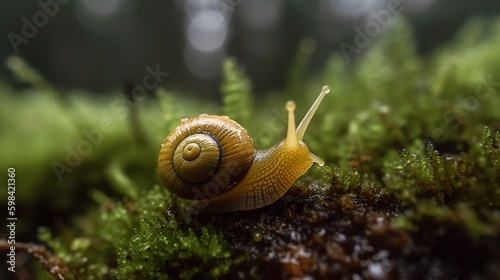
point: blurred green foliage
(236, 92)
(422, 129)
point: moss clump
(459, 189)
(133, 239)
(160, 249)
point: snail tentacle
(301, 128)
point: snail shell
(201, 149)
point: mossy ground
(411, 189)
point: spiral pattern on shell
(205, 156)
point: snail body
(211, 160)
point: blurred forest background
(98, 44)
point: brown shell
(205, 156)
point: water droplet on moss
(257, 237)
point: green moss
(459, 189)
(159, 249)
(133, 239)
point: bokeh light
(206, 33)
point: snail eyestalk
(301, 129)
(291, 137)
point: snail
(211, 160)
